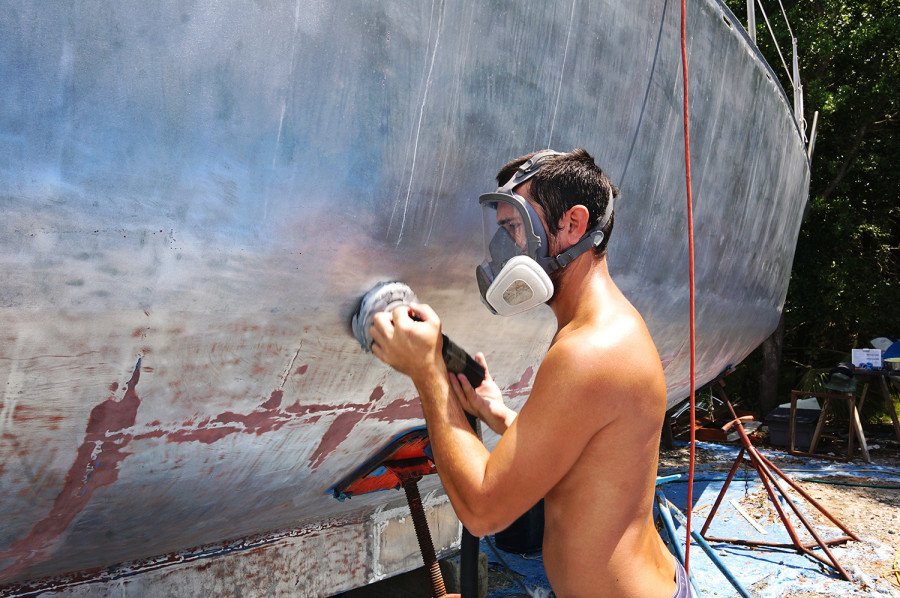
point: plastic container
(804, 427)
(526, 534)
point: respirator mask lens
(509, 279)
(504, 236)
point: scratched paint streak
(562, 72)
(427, 86)
(96, 465)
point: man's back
(599, 535)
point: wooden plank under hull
(196, 196)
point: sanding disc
(385, 296)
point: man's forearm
(460, 456)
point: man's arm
(490, 490)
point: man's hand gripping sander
(403, 461)
(387, 296)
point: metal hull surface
(196, 194)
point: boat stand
(773, 478)
(402, 463)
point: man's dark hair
(565, 181)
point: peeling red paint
(524, 382)
(402, 409)
(342, 426)
(110, 429)
(340, 429)
(96, 464)
(265, 418)
(203, 435)
(298, 409)
(274, 400)
(255, 421)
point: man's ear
(573, 225)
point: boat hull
(195, 198)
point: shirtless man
(587, 438)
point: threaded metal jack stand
(402, 463)
(423, 535)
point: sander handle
(460, 362)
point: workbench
(867, 376)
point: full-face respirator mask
(514, 276)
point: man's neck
(582, 291)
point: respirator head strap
(528, 169)
(592, 238)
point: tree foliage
(845, 285)
(845, 282)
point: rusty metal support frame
(767, 474)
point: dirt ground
(872, 513)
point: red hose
(690, 224)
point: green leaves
(844, 285)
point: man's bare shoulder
(602, 361)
